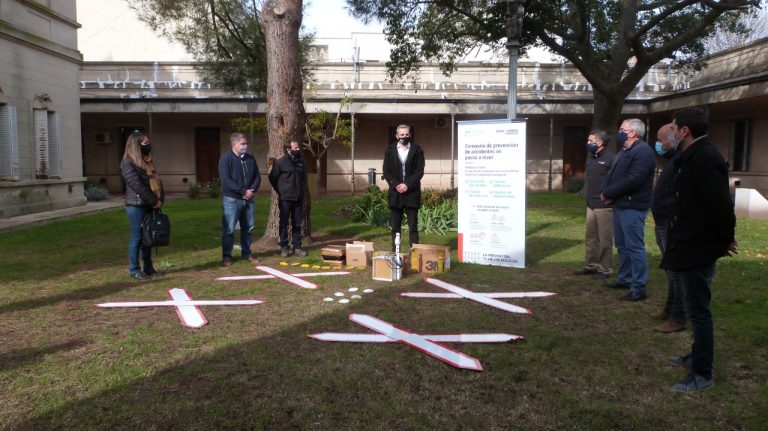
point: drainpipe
(353, 152)
(551, 144)
(453, 144)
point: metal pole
(453, 144)
(551, 145)
(512, 81)
(515, 11)
(353, 152)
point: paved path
(29, 219)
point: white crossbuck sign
(489, 299)
(388, 333)
(186, 308)
(268, 276)
(287, 277)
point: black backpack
(155, 229)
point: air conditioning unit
(102, 138)
(442, 122)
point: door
(207, 153)
(574, 153)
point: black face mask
(405, 141)
(295, 153)
(146, 149)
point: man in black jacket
(701, 231)
(598, 235)
(628, 187)
(240, 179)
(288, 177)
(661, 207)
(403, 169)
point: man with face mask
(673, 313)
(403, 169)
(240, 179)
(288, 177)
(701, 231)
(628, 188)
(598, 236)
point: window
(47, 144)
(9, 144)
(738, 148)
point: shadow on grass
(87, 293)
(26, 357)
(540, 248)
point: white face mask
(673, 142)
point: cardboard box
(359, 253)
(430, 259)
(383, 267)
(334, 254)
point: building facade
(190, 121)
(41, 165)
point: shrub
(371, 208)
(440, 218)
(194, 191)
(96, 193)
(214, 187)
(575, 184)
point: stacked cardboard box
(430, 259)
(334, 254)
(359, 253)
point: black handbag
(155, 229)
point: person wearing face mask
(598, 235)
(240, 180)
(288, 176)
(702, 230)
(673, 313)
(143, 192)
(628, 188)
(403, 169)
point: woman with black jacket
(143, 192)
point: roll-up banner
(492, 192)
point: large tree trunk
(607, 114)
(281, 20)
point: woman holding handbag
(143, 193)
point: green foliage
(438, 214)
(575, 184)
(250, 124)
(193, 191)
(370, 208)
(96, 193)
(439, 218)
(224, 36)
(213, 187)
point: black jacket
(288, 177)
(393, 175)
(138, 193)
(703, 223)
(598, 166)
(661, 206)
(630, 181)
(238, 174)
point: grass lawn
(588, 361)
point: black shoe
(584, 272)
(693, 383)
(600, 276)
(284, 252)
(227, 261)
(299, 252)
(153, 273)
(634, 297)
(139, 276)
(681, 361)
(612, 285)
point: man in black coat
(403, 169)
(288, 177)
(701, 231)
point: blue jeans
(629, 237)
(135, 217)
(697, 294)
(294, 211)
(234, 210)
(674, 306)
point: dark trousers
(290, 210)
(697, 294)
(674, 307)
(396, 220)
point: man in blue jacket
(240, 179)
(628, 187)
